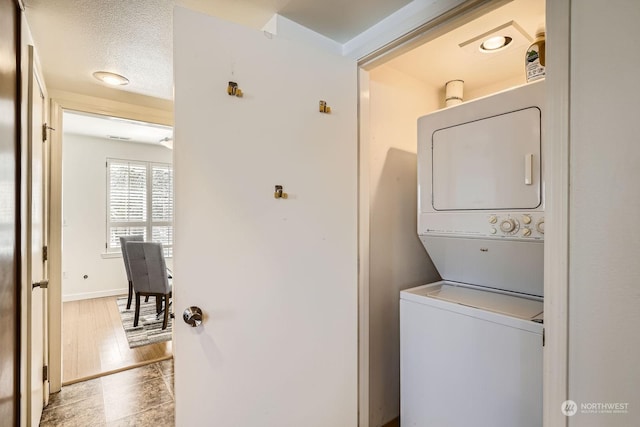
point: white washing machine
(470, 358)
(471, 345)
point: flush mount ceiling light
(505, 36)
(112, 79)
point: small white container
(453, 92)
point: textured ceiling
(74, 38)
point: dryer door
(489, 164)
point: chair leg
(146, 299)
(166, 312)
(136, 317)
(130, 295)
(158, 304)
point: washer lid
(510, 305)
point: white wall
(493, 88)
(84, 214)
(604, 247)
(397, 258)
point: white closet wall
(397, 259)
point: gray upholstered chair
(123, 246)
(149, 276)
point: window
(139, 201)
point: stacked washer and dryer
(471, 344)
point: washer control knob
(526, 219)
(509, 226)
(493, 230)
(493, 219)
(540, 226)
(526, 232)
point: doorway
(117, 180)
(400, 87)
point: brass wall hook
(279, 194)
(234, 90)
(324, 108)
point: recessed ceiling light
(506, 37)
(112, 79)
(495, 43)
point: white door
(276, 278)
(38, 392)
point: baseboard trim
(91, 295)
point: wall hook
(324, 108)
(279, 194)
(234, 90)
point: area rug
(149, 329)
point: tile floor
(138, 397)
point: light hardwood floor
(94, 342)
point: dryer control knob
(526, 232)
(509, 226)
(493, 230)
(526, 219)
(540, 226)
(493, 219)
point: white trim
(397, 25)
(556, 247)
(108, 255)
(430, 29)
(364, 201)
(157, 114)
(32, 81)
(71, 101)
(55, 252)
(99, 294)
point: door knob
(192, 316)
(43, 284)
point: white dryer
(471, 345)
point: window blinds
(140, 201)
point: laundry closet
(394, 94)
